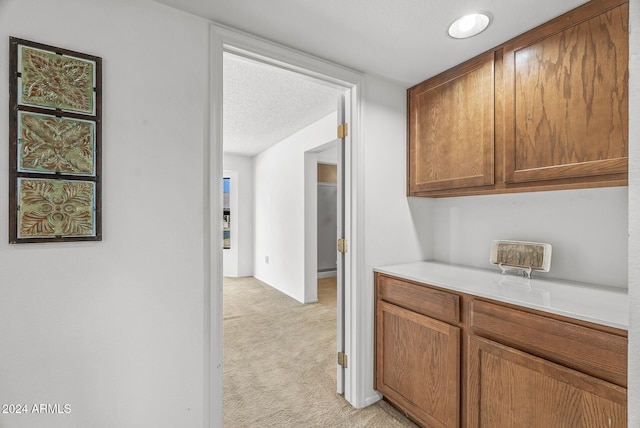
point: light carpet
(279, 362)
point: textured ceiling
(401, 40)
(263, 104)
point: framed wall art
(55, 142)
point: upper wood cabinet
(566, 96)
(451, 128)
(546, 110)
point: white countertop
(588, 302)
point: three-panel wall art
(55, 133)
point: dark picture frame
(55, 144)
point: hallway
(279, 362)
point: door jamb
(225, 39)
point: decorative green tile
(53, 144)
(50, 208)
(56, 81)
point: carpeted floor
(279, 362)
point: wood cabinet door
(509, 388)
(418, 364)
(566, 96)
(451, 128)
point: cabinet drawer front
(427, 301)
(594, 352)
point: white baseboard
(372, 399)
(327, 274)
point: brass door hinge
(342, 359)
(343, 130)
(342, 245)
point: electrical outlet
(266, 259)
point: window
(226, 213)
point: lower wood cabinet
(509, 388)
(454, 360)
(418, 364)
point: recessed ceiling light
(469, 25)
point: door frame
(225, 39)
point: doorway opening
(327, 222)
(224, 39)
(285, 214)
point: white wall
(586, 228)
(238, 260)
(396, 229)
(329, 155)
(634, 214)
(115, 328)
(279, 195)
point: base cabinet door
(510, 388)
(418, 365)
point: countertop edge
(485, 286)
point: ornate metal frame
(60, 91)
